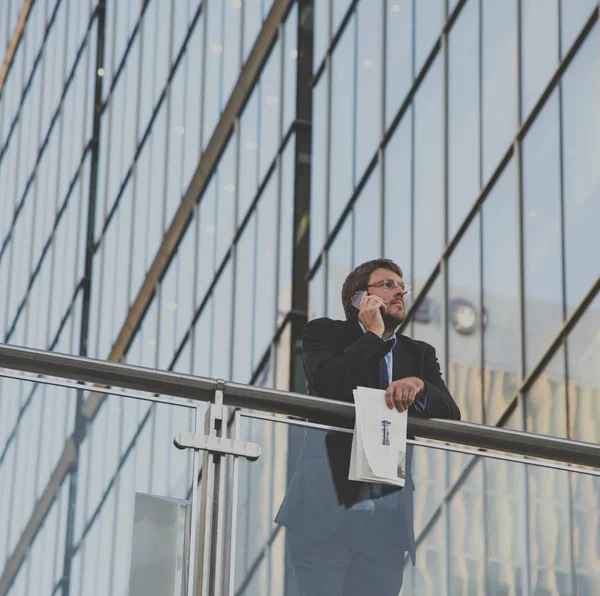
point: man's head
(376, 272)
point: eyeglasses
(391, 285)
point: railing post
(211, 571)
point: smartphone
(357, 299)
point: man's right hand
(371, 309)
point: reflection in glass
(367, 221)
(225, 191)
(245, 277)
(290, 64)
(214, 69)
(205, 266)
(399, 63)
(581, 152)
(539, 49)
(222, 322)
(249, 146)
(341, 152)
(463, 116)
(542, 232)
(232, 17)
(318, 175)
(270, 109)
(464, 340)
(321, 32)
(429, 174)
(546, 405)
(286, 229)
(499, 84)
(500, 295)
(583, 350)
(573, 16)
(368, 84)
(266, 271)
(397, 207)
(339, 264)
(429, 17)
(431, 329)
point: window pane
(397, 208)
(429, 173)
(367, 221)
(581, 155)
(399, 43)
(499, 71)
(463, 116)
(368, 84)
(546, 401)
(542, 231)
(539, 47)
(464, 324)
(318, 176)
(428, 27)
(500, 295)
(342, 125)
(573, 17)
(339, 261)
(583, 346)
(266, 270)
(244, 303)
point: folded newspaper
(379, 441)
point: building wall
(459, 138)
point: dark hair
(359, 278)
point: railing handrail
(318, 409)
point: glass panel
(573, 15)
(339, 264)
(270, 110)
(500, 295)
(368, 84)
(539, 47)
(399, 53)
(480, 519)
(321, 32)
(463, 116)
(397, 206)
(341, 174)
(581, 154)
(318, 175)
(429, 173)
(127, 447)
(367, 221)
(429, 16)
(583, 349)
(499, 83)
(546, 403)
(465, 323)
(542, 232)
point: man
(349, 538)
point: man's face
(394, 298)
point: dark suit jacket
(338, 357)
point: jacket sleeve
(438, 401)
(333, 371)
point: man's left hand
(403, 392)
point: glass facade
(151, 196)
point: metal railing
(316, 409)
(209, 569)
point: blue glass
(581, 147)
(463, 116)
